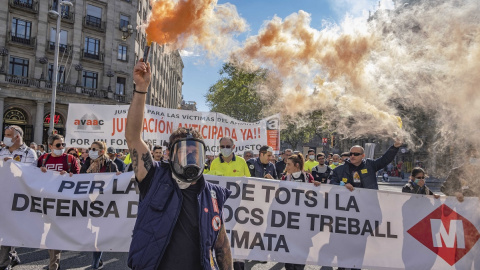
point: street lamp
(56, 13)
(110, 74)
(3, 53)
(126, 32)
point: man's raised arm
(141, 157)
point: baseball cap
(111, 150)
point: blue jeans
(97, 257)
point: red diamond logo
(446, 233)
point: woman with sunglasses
(98, 162)
(416, 183)
(74, 152)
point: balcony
(62, 48)
(25, 81)
(91, 56)
(94, 23)
(119, 98)
(94, 92)
(25, 5)
(61, 87)
(25, 41)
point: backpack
(69, 164)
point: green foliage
(235, 95)
(298, 132)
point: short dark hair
(156, 147)
(42, 146)
(416, 171)
(311, 150)
(181, 133)
(53, 138)
(320, 155)
(264, 149)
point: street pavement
(35, 259)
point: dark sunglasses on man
(60, 144)
(355, 154)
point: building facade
(99, 45)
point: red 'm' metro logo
(447, 233)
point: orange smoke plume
(188, 23)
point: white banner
(89, 122)
(266, 220)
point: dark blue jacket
(157, 216)
(257, 170)
(367, 170)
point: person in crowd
(41, 150)
(280, 166)
(157, 153)
(416, 184)
(463, 181)
(335, 161)
(74, 152)
(227, 163)
(311, 162)
(261, 167)
(385, 177)
(112, 155)
(344, 156)
(34, 146)
(121, 156)
(360, 172)
(329, 159)
(321, 172)
(172, 194)
(99, 162)
(61, 162)
(248, 154)
(294, 172)
(14, 150)
(83, 156)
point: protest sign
(89, 122)
(266, 220)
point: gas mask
(187, 159)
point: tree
(235, 93)
(299, 132)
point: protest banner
(89, 122)
(266, 220)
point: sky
(201, 72)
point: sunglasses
(355, 154)
(93, 149)
(225, 146)
(60, 144)
(421, 178)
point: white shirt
(22, 154)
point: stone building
(99, 45)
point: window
(21, 30)
(94, 16)
(18, 66)
(92, 48)
(63, 39)
(122, 52)
(124, 21)
(120, 89)
(61, 73)
(90, 79)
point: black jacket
(367, 170)
(111, 166)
